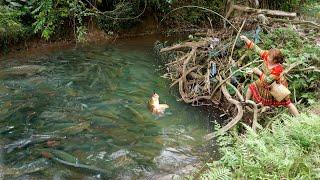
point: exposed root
(198, 76)
(239, 115)
(255, 114)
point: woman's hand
(249, 71)
(257, 71)
(244, 38)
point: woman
(272, 71)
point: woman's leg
(293, 110)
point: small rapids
(82, 113)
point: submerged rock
(121, 158)
(117, 154)
(166, 177)
(171, 158)
(176, 174)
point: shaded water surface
(82, 113)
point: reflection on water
(83, 114)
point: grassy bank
(290, 149)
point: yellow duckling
(154, 106)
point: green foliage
(193, 17)
(291, 150)
(11, 29)
(9, 21)
(50, 15)
(219, 173)
(312, 10)
(117, 19)
(47, 17)
(81, 33)
(292, 5)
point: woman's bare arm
(251, 45)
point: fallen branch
(235, 41)
(262, 11)
(185, 45)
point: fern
(219, 173)
(291, 150)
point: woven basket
(279, 91)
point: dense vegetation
(50, 19)
(290, 149)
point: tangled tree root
(202, 78)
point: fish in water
(23, 70)
(154, 106)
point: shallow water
(81, 113)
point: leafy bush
(290, 150)
(194, 17)
(116, 20)
(292, 5)
(50, 15)
(11, 28)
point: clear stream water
(81, 113)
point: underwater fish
(6, 129)
(69, 160)
(154, 106)
(33, 139)
(75, 129)
(24, 70)
(35, 166)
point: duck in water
(154, 106)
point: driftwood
(264, 11)
(233, 7)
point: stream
(81, 113)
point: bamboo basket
(279, 91)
